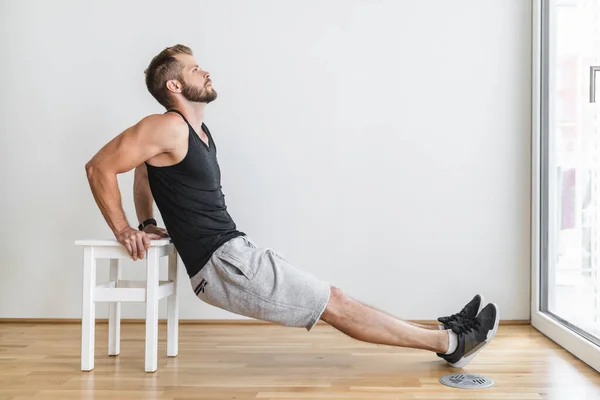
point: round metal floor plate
(466, 381)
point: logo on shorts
(201, 287)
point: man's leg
(469, 311)
(371, 325)
(431, 327)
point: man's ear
(174, 86)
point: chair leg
(152, 270)
(114, 313)
(88, 310)
(173, 308)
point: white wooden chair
(117, 291)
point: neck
(194, 112)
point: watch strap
(149, 221)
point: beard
(198, 95)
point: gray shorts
(260, 283)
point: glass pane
(573, 277)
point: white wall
(381, 145)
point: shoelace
(466, 325)
(458, 316)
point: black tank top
(191, 203)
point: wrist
(146, 222)
(117, 231)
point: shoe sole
(490, 335)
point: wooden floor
(41, 361)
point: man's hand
(136, 242)
(161, 232)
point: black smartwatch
(149, 221)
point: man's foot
(469, 311)
(473, 335)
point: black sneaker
(469, 311)
(473, 336)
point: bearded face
(198, 94)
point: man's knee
(337, 294)
(335, 306)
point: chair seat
(112, 249)
(114, 242)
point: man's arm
(131, 148)
(142, 195)
(144, 201)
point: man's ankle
(444, 342)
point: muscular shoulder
(168, 123)
(165, 128)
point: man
(175, 161)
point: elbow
(90, 169)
